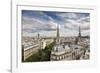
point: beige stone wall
(29, 52)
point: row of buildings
(31, 45)
(72, 48)
(65, 48)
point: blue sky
(45, 23)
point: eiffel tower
(79, 35)
(78, 38)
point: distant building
(43, 44)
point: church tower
(57, 36)
(58, 52)
(57, 39)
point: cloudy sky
(45, 23)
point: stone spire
(58, 35)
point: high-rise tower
(79, 35)
(78, 38)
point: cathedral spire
(57, 40)
(58, 31)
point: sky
(45, 23)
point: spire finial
(57, 37)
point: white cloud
(32, 25)
(83, 22)
(71, 22)
(67, 15)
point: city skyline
(45, 23)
